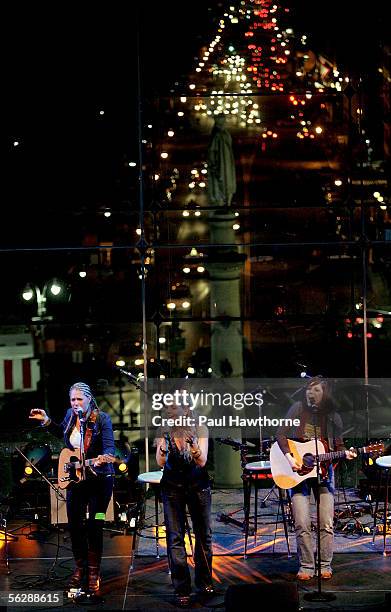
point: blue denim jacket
(102, 439)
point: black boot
(76, 580)
(94, 559)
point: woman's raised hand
(39, 414)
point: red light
(349, 335)
(369, 335)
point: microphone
(172, 448)
(127, 373)
(80, 414)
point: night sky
(66, 64)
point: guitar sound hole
(308, 461)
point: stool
(253, 473)
(154, 478)
(384, 463)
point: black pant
(198, 501)
(87, 534)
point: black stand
(8, 537)
(318, 595)
(59, 495)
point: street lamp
(54, 288)
(30, 291)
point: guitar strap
(90, 430)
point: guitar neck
(338, 454)
(87, 463)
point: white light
(162, 340)
(120, 363)
(82, 273)
(186, 270)
(210, 370)
(55, 289)
(186, 305)
(190, 370)
(28, 295)
(156, 177)
(191, 86)
(183, 98)
(318, 130)
(149, 126)
(383, 207)
(376, 194)
(16, 143)
(186, 213)
(132, 164)
(181, 114)
(338, 182)
(139, 362)
(101, 112)
(170, 133)
(171, 306)
(200, 269)
(236, 226)
(138, 231)
(197, 213)
(164, 155)
(107, 213)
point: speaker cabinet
(278, 595)
(58, 514)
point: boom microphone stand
(318, 595)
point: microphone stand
(59, 494)
(318, 595)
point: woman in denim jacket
(92, 494)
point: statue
(221, 165)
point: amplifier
(58, 510)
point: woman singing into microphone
(93, 493)
(183, 453)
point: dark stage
(361, 572)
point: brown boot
(76, 580)
(93, 571)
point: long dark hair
(327, 403)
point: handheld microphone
(80, 414)
(172, 448)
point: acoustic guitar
(305, 455)
(70, 467)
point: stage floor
(361, 573)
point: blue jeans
(301, 495)
(175, 499)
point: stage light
(38, 455)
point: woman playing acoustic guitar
(93, 493)
(316, 399)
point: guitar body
(70, 470)
(67, 474)
(304, 453)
